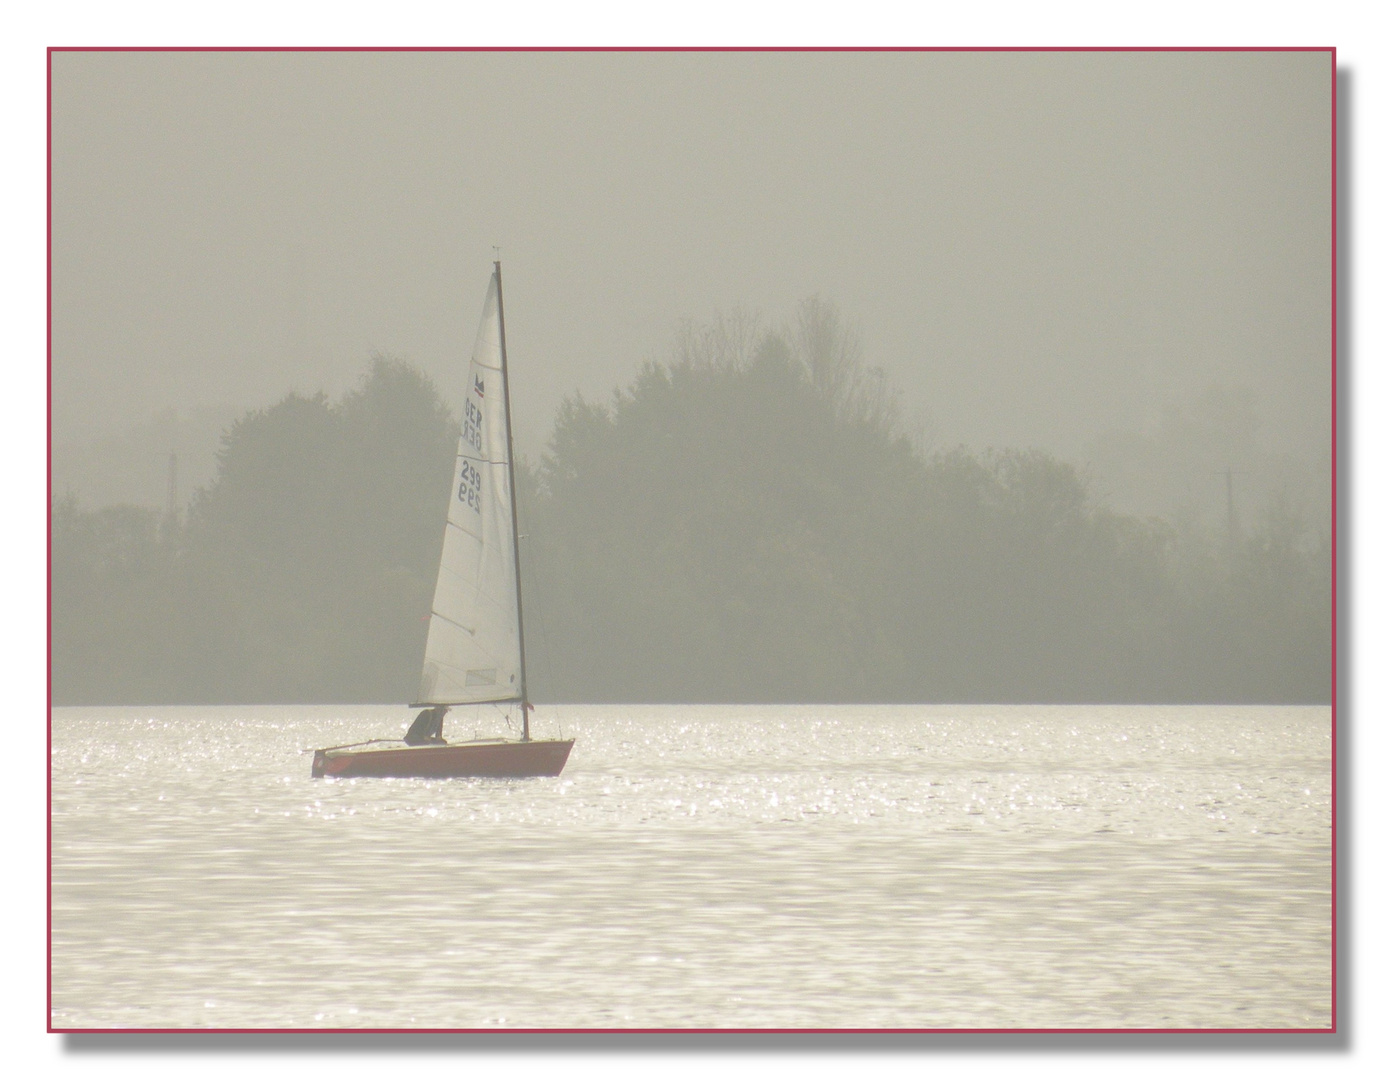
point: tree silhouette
(743, 523)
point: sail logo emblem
(479, 387)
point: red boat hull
(504, 759)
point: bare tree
(827, 347)
(727, 341)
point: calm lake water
(705, 866)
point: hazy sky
(1037, 246)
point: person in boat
(427, 728)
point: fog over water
(1090, 253)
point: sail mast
(513, 499)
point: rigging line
(508, 714)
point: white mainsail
(474, 651)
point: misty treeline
(744, 523)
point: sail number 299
(469, 489)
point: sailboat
(474, 653)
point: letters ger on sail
(473, 635)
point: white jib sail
(473, 636)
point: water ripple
(891, 866)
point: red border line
(48, 641)
(693, 1031)
(1333, 1025)
(1334, 594)
(703, 48)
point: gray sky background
(1039, 248)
